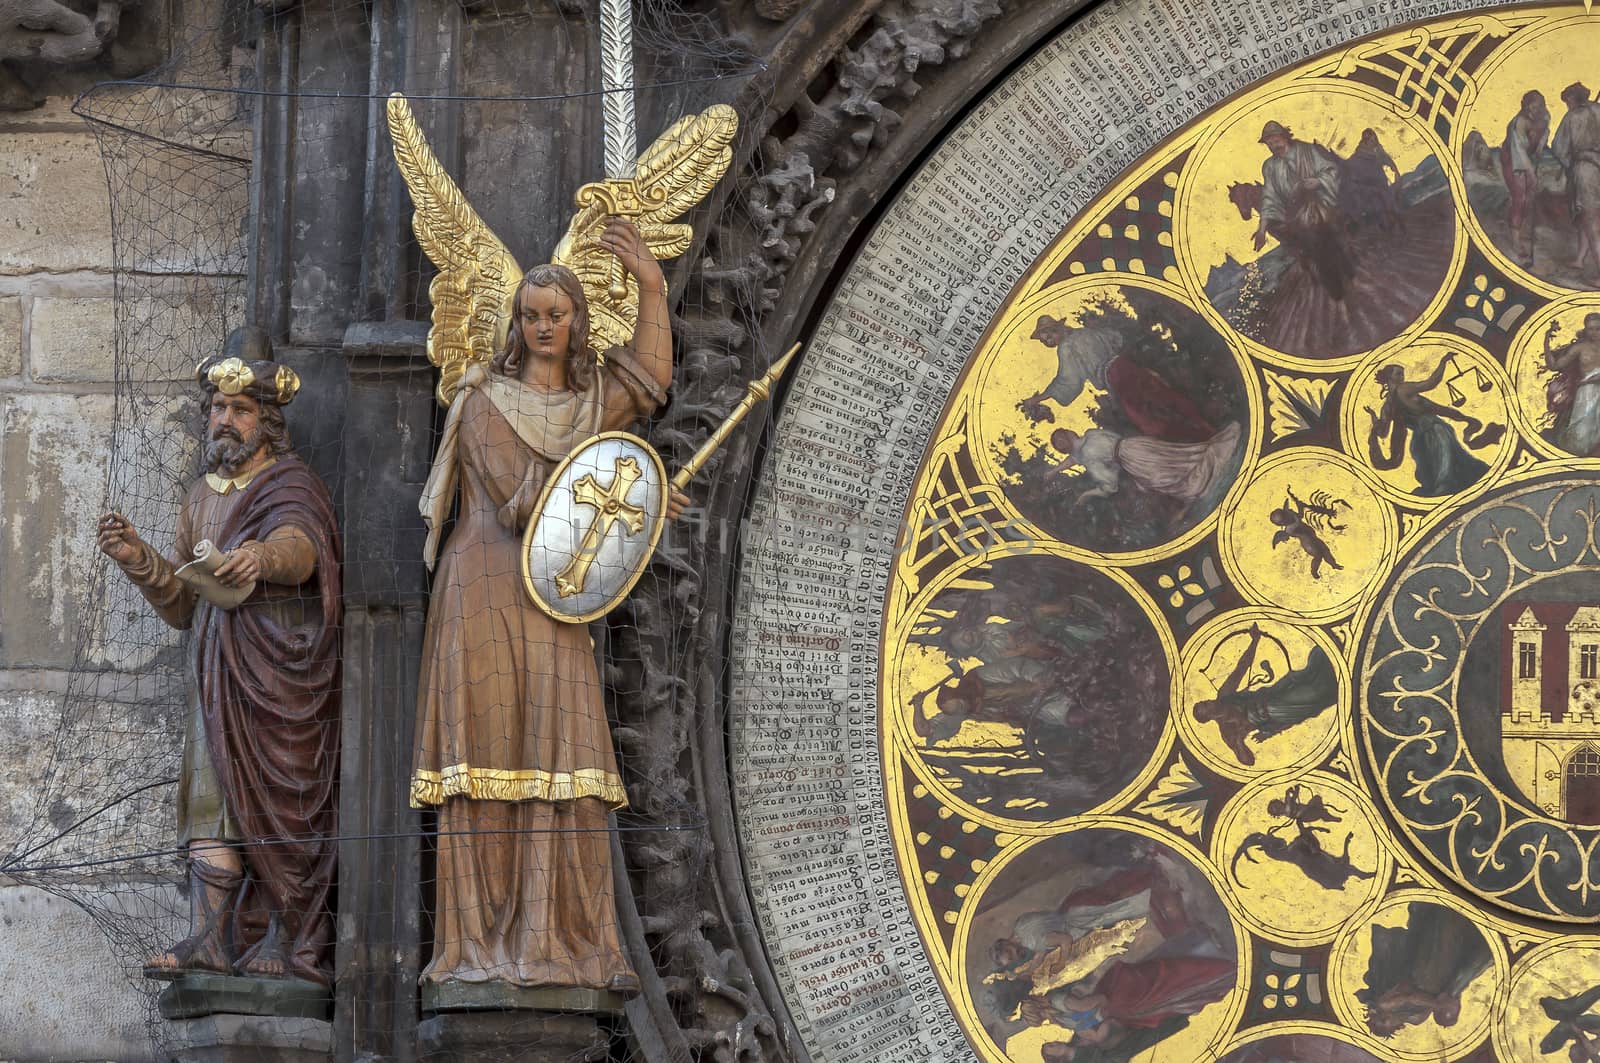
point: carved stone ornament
(52, 32)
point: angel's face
(546, 322)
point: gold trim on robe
(500, 784)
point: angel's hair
(580, 363)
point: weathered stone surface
(249, 1039)
(28, 721)
(509, 1037)
(54, 450)
(165, 329)
(72, 340)
(52, 460)
(389, 395)
(57, 46)
(127, 38)
(501, 996)
(152, 463)
(10, 335)
(198, 995)
(188, 216)
(173, 324)
(54, 204)
(61, 768)
(48, 114)
(87, 1005)
(53, 455)
(54, 32)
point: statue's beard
(227, 453)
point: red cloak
(270, 699)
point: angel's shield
(595, 527)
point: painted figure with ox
(1358, 246)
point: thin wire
(149, 854)
(188, 149)
(11, 862)
(230, 90)
(81, 105)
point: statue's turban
(245, 367)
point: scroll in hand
(201, 575)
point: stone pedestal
(511, 1037)
(224, 1038)
(217, 1018)
(497, 1023)
(498, 996)
(196, 996)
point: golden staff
(758, 391)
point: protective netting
(188, 790)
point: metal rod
(758, 391)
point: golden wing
(477, 274)
(672, 176)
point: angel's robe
(512, 743)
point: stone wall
(57, 330)
(77, 658)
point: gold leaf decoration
(477, 274)
(1294, 403)
(1343, 633)
(673, 175)
(687, 161)
(1179, 800)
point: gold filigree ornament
(287, 382)
(230, 376)
(478, 275)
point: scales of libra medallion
(1479, 705)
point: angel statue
(512, 745)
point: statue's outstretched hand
(623, 239)
(118, 540)
(677, 502)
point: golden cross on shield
(611, 506)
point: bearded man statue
(257, 799)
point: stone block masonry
(59, 328)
